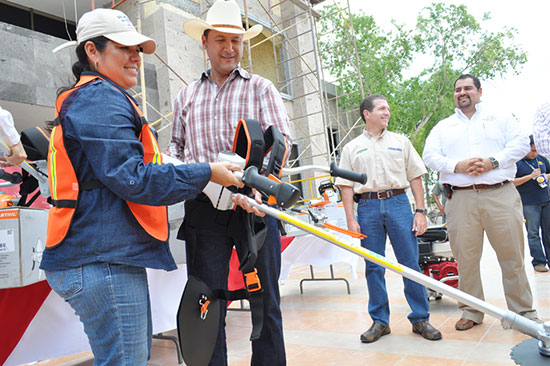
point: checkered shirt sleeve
(541, 129)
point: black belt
(480, 186)
(381, 195)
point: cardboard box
(335, 214)
(22, 240)
(292, 230)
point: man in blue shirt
(531, 182)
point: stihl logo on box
(11, 214)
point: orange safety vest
(64, 186)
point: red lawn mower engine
(436, 259)
(444, 270)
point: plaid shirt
(541, 129)
(206, 115)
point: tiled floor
(323, 325)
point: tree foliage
(447, 41)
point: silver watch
(494, 161)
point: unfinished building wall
(179, 59)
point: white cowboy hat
(112, 24)
(224, 16)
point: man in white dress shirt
(475, 151)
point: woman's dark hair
(82, 64)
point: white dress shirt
(8, 133)
(541, 129)
(485, 135)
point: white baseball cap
(224, 16)
(112, 24)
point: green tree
(383, 56)
(450, 38)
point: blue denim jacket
(101, 131)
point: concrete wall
(30, 74)
(263, 60)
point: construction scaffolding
(320, 125)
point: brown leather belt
(480, 186)
(381, 195)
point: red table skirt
(18, 307)
(235, 280)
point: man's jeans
(209, 258)
(391, 216)
(537, 217)
(112, 301)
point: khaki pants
(496, 211)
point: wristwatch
(420, 210)
(494, 161)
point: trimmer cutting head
(530, 352)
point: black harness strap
(246, 230)
(276, 144)
(256, 301)
(200, 213)
(249, 142)
(84, 186)
(64, 203)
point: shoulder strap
(252, 144)
(249, 142)
(275, 142)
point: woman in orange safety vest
(109, 192)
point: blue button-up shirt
(101, 130)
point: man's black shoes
(426, 330)
(374, 333)
(423, 327)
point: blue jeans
(112, 302)
(391, 216)
(208, 259)
(537, 217)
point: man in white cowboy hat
(206, 114)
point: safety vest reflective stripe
(64, 185)
(52, 164)
(59, 219)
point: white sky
(521, 94)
